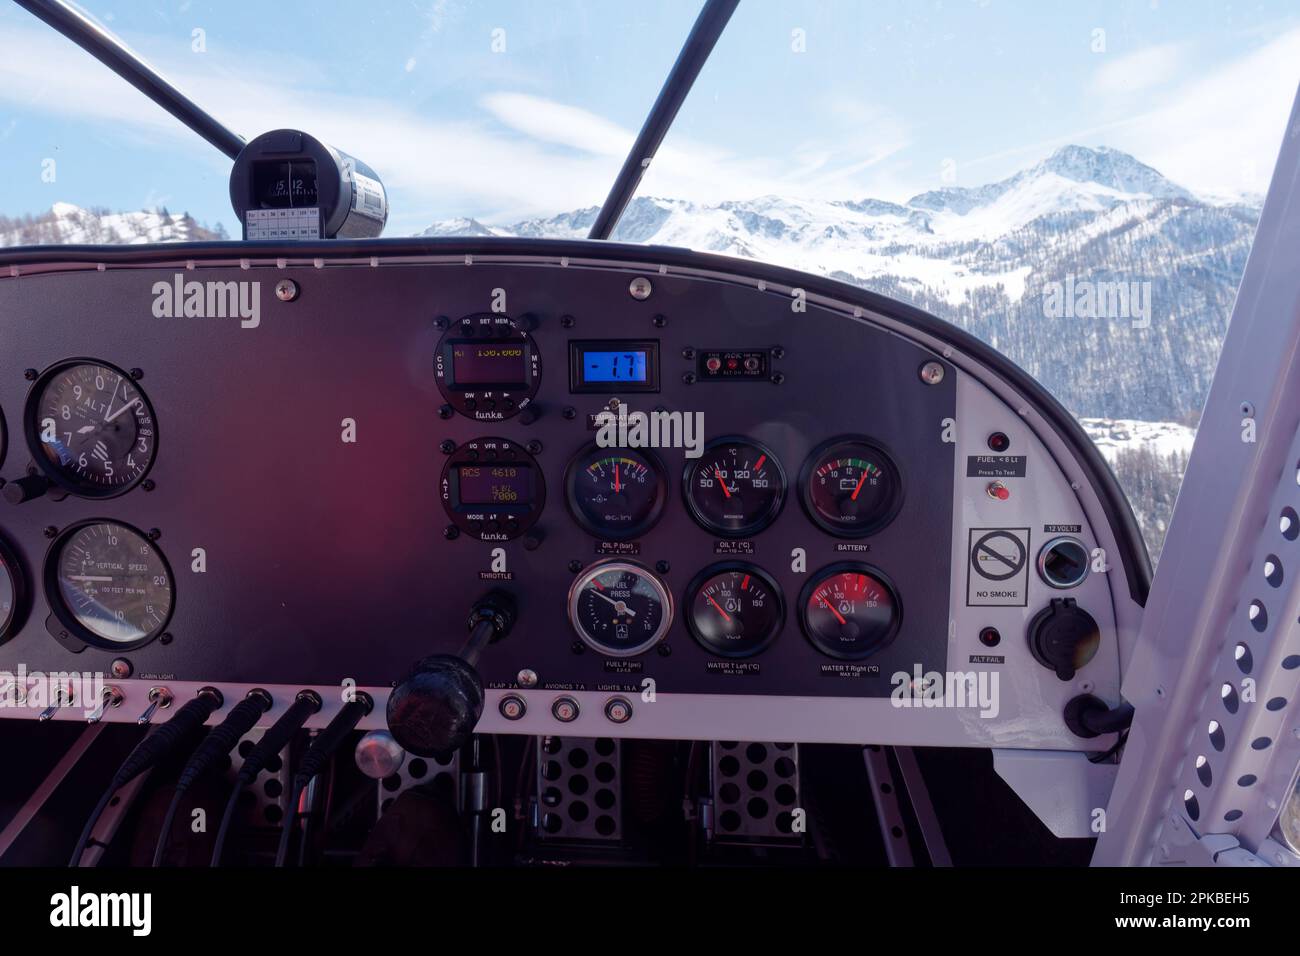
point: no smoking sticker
(998, 572)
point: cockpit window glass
(471, 113)
(1076, 184)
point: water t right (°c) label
(998, 571)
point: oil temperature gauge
(735, 488)
(734, 610)
(850, 611)
(851, 488)
(619, 608)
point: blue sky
(815, 98)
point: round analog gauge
(487, 367)
(734, 610)
(11, 592)
(850, 611)
(91, 429)
(109, 585)
(492, 489)
(616, 493)
(735, 488)
(851, 488)
(619, 608)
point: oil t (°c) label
(998, 572)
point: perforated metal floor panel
(755, 791)
(579, 789)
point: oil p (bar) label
(998, 572)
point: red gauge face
(850, 611)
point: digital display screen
(495, 484)
(611, 366)
(489, 363)
(284, 184)
(615, 366)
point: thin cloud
(1140, 70)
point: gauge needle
(88, 577)
(858, 486)
(725, 616)
(123, 410)
(722, 481)
(617, 486)
(838, 616)
(619, 605)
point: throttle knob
(1063, 637)
(435, 708)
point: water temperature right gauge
(850, 611)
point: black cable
(222, 739)
(307, 702)
(313, 761)
(160, 742)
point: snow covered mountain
(984, 258)
(66, 223)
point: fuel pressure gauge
(619, 608)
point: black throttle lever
(433, 710)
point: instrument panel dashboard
(731, 501)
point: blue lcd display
(625, 366)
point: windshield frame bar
(713, 19)
(95, 39)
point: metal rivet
(932, 373)
(286, 290)
(640, 288)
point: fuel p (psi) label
(998, 572)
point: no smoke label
(998, 573)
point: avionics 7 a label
(997, 574)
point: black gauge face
(109, 585)
(11, 592)
(734, 610)
(91, 429)
(735, 488)
(619, 608)
(851, 488)
(4, 437)
(616, 493)
(849, 611)
(487, 367)
(492, 489)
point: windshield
(1076, 185)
